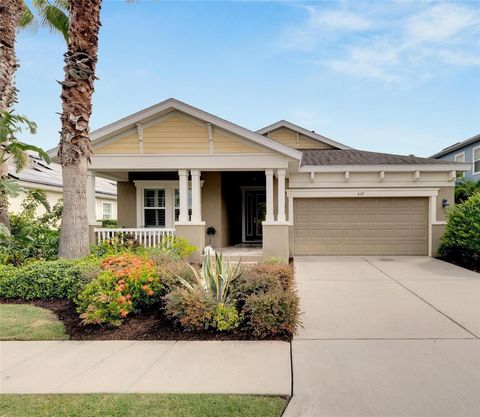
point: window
(107, 211)
(154, 207)
(460, 157)
(176, 203)
(476, 160)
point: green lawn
(140, 405)
(26, 322)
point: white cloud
(391, 43)
(441, 22)
(321, 23)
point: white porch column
(91, 215)
(183, 192)
(269, 188)
(281, 195)
(196, 196)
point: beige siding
(127, 204)
(175, 135)
(126, 145)
(361, 226)
(224, 142)
(289, 137)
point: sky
(397, 76)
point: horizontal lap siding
(175, 135)
(289, 137)
(361, 226)
(225, 143)
(126, 145)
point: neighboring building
(38, 175)
(468, 152)
(284, 188)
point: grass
(26, 322)
(140, 405)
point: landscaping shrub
(283, 273)
(31, 237)
(127, 283)
(172, 271)
(273, 313)
(461, 241)
(45, 279)
(192, 310)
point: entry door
(255, 207)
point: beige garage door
(361, 226)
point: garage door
(361, 226)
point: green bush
(272, 314)
(31, 237)
(461, 241)
(226, 317)
(45, 279)
(283, 273)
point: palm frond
(27, 19)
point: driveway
(386, 336)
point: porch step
(247, 259)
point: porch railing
(146, 236)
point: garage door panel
(361, 226)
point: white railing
(146, 236)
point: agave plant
(214, 278)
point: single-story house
(467, 151)
(289, 190)
(38, 175)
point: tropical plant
(11, 149)
(214, 278)
(31, 236)
(74, 149)
(53, 15)
(464, 189)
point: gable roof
(39, 172)
(309, 133)
(456, 146)
(166, 106)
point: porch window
(176, 203)
(154, 207)
(107, 211)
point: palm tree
(14, 14)
(74, 150)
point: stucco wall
(438, 229)
(127, 204)
(212, 213)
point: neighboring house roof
(170, 104)
(41, 173)
(309, 133)
(456, 146)
(357, 157)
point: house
(468, 152)
(284, 188)
(38, 175)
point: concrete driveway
(386, 336)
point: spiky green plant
(214, 278)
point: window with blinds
(154, 207)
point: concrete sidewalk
(224, 367)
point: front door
(254, 212)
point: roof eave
(386, 167)
(456, 146)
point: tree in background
(464, 189)
(74, 150)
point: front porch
(246, 208)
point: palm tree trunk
(74, 150)
(10, 11)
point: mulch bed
(145, 326)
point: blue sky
(399, 77)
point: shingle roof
(357, 157)
(39, 172)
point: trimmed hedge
(45, 279)
(461, 240)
